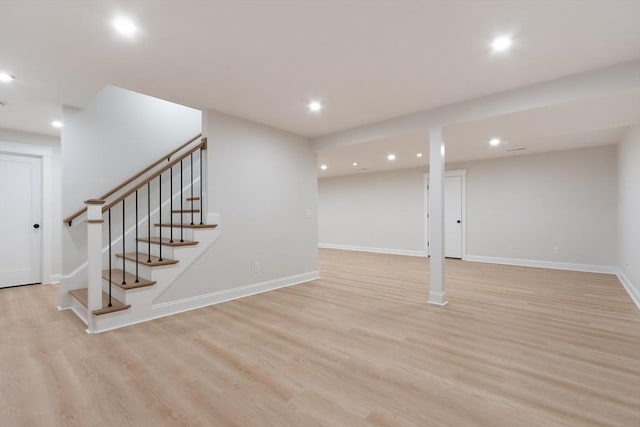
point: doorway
(20, 217)
(455, 236)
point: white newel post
(204, 211)
(94, 259)
(437, 292)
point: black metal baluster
(137, 278)
(148, 221)
(171, 201)
(201, 151)
(191, 188)
(181, 201)
(160, 215)
(109, 259)
(124, 250)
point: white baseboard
(80, 312)
(186, 304)
(54, 279)
(587, 268)
(373, 250)
(235, 293)
(634, 292)
(75, 306)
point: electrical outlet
(556, 250)
(257, 268)
(307, 213)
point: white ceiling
(264, 61)
(583, 123)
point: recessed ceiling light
(501, 44)
(419, 155)
(323, 167)
(391, 157)
(494, 142)
(6, 77)
(57, 124)
(315, 106)
(125, 26)
(355, 163)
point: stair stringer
(142, 299)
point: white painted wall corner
(633, 291)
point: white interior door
(453, 217)
(20, 213)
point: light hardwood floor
(360, 347)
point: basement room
(345, 213)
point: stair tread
(185, 210)
(187, 225)
(166, 241)
(116, 279)
(82, 297)
(142, 259)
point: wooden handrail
(202, 145)
(70, 218)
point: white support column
(437, 292)
(94, 259)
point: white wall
(117, 134)
(629, 211)
(523, 207)
(375, 210)
(261, 182)
(517, 207)
(52, 219)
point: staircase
(151, 238)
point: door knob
(36, 225)
(458, 221)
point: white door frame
(462, 173)
(49, 217)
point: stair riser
(167, 251)
(186, 216)
(145, 271)
(187, 233)
(125, 296)
(116, 292)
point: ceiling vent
(516, 149)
